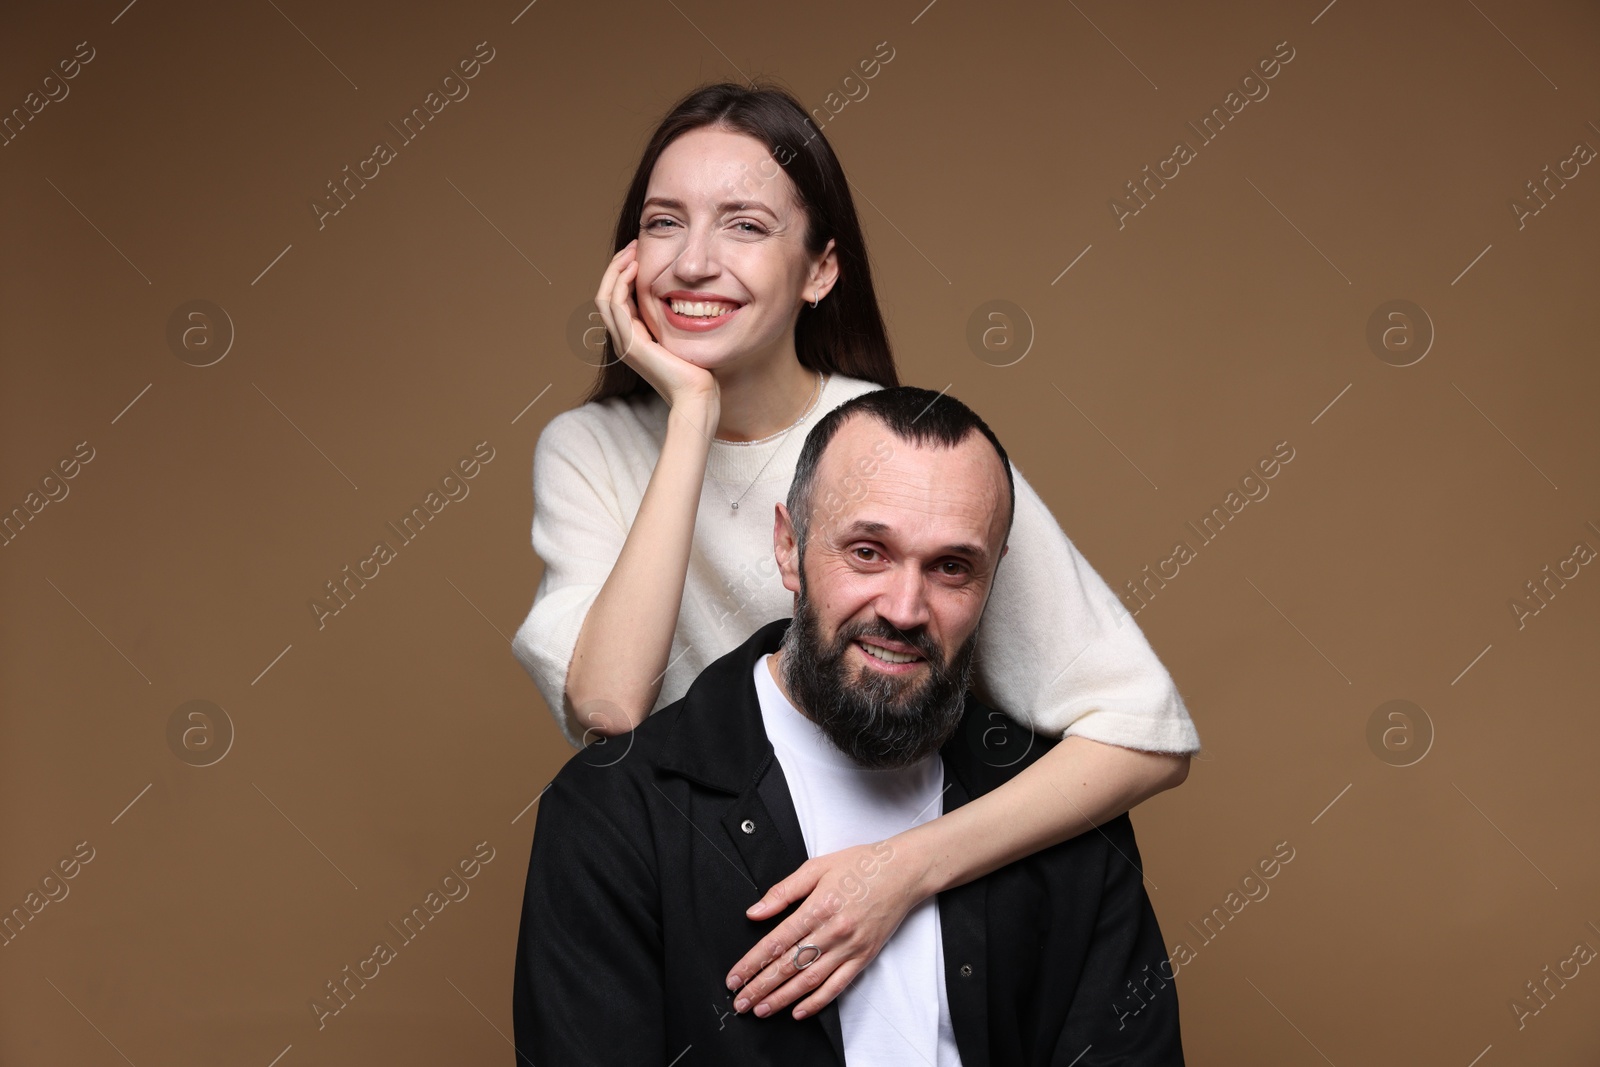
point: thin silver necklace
(815, 395)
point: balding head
(903, 414)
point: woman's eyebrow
(724, 207)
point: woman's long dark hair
(843, 334)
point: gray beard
(880, 721)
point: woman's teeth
(886, 655)
(697, 310)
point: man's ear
(783, 548)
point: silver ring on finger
(800, 950)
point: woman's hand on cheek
(676, 379)
(854, 900)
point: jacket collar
(719, 739)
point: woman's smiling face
(722, 261)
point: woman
(739, 309)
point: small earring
(815, 296)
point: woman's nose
(696, 259)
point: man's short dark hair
(918, 416)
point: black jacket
(649, 847)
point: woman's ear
(824, 274)
(784, 548)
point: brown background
(370, 355)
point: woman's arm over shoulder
(1061, 653)
(578, 531)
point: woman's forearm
(1076, 785)
(622, 648)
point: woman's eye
(754, 229)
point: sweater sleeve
(1060, 653)
(578, 533)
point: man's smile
(891, 660)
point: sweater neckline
(741, 464)
(811, 405)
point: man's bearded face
(879, 719)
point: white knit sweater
(1056, 650)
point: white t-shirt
(896, 1009)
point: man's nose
(904, 601)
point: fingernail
(762, 1011)
(799, 1013)
(733, 981)
(741, 1004)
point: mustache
(878, 721)
(918, 638)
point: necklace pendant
(735, 505)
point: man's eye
(864, 548)
(955, 568)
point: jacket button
(748, 826)
(966, 970)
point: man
(843, 726)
